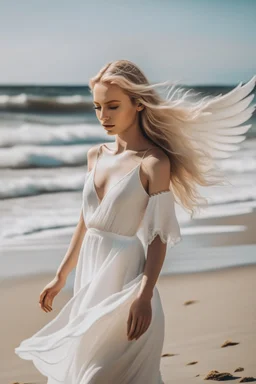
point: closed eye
(109, 107)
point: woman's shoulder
(92, 155)
(156, 157)
(156, 168)
(92, 151)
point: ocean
(45, 132)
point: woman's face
(121, 113)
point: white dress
(87, 341)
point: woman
(112, 329)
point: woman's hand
(139, 318)
(49, 292)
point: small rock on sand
(219, 376)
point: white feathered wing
(216, 129)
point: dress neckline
(100, 201)
(154, 195)
(115, 184)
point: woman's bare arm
(71, 257)
(159, 171)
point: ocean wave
(244, 160)
(38, 134)
(14, 120)
(28, 226)
(238, 165)
(34, 156)
(24, 102)
(241, 188)
(25, 215)
(30, 186)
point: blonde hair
(165, 122)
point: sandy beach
(224, 309)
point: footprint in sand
(169, 354)
(228, 343)
(192, 363)
(18, 382)
(188, 302)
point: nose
(103, 115)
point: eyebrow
(107, 101)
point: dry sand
(224, 310)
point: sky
(67, 42)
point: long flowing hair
(169, 121)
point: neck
(131, 140)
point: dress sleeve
(160, 219)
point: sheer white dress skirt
(87, 341)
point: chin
(110, 132)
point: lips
(108, 126)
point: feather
(235, 95)
(216, 127)
(223, 113)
